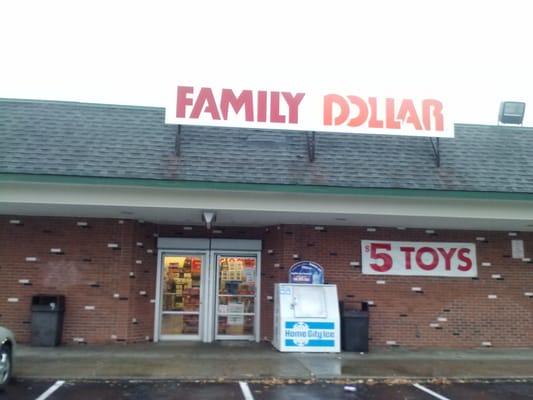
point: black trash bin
(47, 319)
(354, 330)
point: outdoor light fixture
(209, 218)
(512, 112)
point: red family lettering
(254, 105)
(389, 113)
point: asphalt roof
(97, 140)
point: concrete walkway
(252, 361)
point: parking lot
(141, 390)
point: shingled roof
(96, 140)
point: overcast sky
(475, 54)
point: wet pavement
(24, 389)
(337, 391)
(481, 391)
(166, 390)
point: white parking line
(246, 392)
(429, 391)
(50, 390)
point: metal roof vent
(512, 112)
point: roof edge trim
(261, 187)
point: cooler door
(309, 302)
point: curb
(391, 380)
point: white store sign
(299, 109)
(380, 257)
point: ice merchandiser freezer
(306, 318)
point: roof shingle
(67, 138)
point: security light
(512, 112)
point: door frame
(208, 248)
(159, 295)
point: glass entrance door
(207, 295)
(181, 286)
(236, 296)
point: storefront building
(107, 205)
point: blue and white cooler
(306, 318)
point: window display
(236, 295)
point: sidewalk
(251, 361)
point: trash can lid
(42, 302)
(355, 313)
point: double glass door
(207, 295)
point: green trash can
(47, 319)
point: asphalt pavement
(24, 389)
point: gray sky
(473, 53)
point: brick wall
(465, 315)
(110, 291)
(118, 284)
(88, 269)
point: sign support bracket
(311, 145)
(177, 143)
(435, 144)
